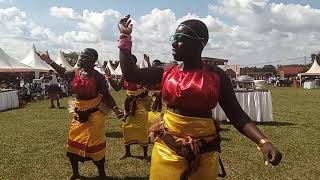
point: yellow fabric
(153, 116)
(166, 164)
(90, 133)
(134, 93)
(135, 129)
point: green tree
(71, 57)
(269, 68)
(315, 56)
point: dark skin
(50, 78)
(117, 86)
(188, 51)
(87, 71)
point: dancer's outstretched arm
(130, 72)
(60, 70)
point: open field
(32, 143)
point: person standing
(86, 138)
(53, 88)
(188, 140)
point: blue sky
(237, 27)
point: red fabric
(84, 87)
(125, 42)
(130, 86)
(84, 147)
(194, 90)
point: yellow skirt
(153, 116)
(88, 139)
(135, 129)
(167, 165)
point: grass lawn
(32, 143)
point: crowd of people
(172, 103)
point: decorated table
(8, 99)
(256, 103)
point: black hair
(199, 28)
(156, 63)
(90, 53)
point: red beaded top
(192, 90)
(84, 87)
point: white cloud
(255, 31)
(269, 30)
(63, 12)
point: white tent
(143, 64)
(118, 71)
(62, 61)
(8, 64)
(113, 72)
(33, 60)
(313, 71)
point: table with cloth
(256, 103)
(8, 99)
(310, 85)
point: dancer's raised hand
(125, 26)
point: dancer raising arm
(189, 139)
(86, 140)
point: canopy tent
(313, 71)
(118, 71)
(113, 72)
(98, 67)
(143, 64)
(62, 61)
(9, 64)
(33, 60)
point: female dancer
(135, 126)
(86, 140)
(188, 140)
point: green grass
(32, 143)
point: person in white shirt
(53, 89)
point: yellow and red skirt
(166, 164)
(88, 139)
(135, 128)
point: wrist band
(263, 141)
(50, 62)
(125, 42)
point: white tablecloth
(258, 105)
(9, 99)
(310, 85)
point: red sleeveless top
(192, 90)
(84, 87)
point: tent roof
(314, 70)
(33, 60)
(62, 61)
(9, 64)
(118, 71)
(143, 64)
(113, 72)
